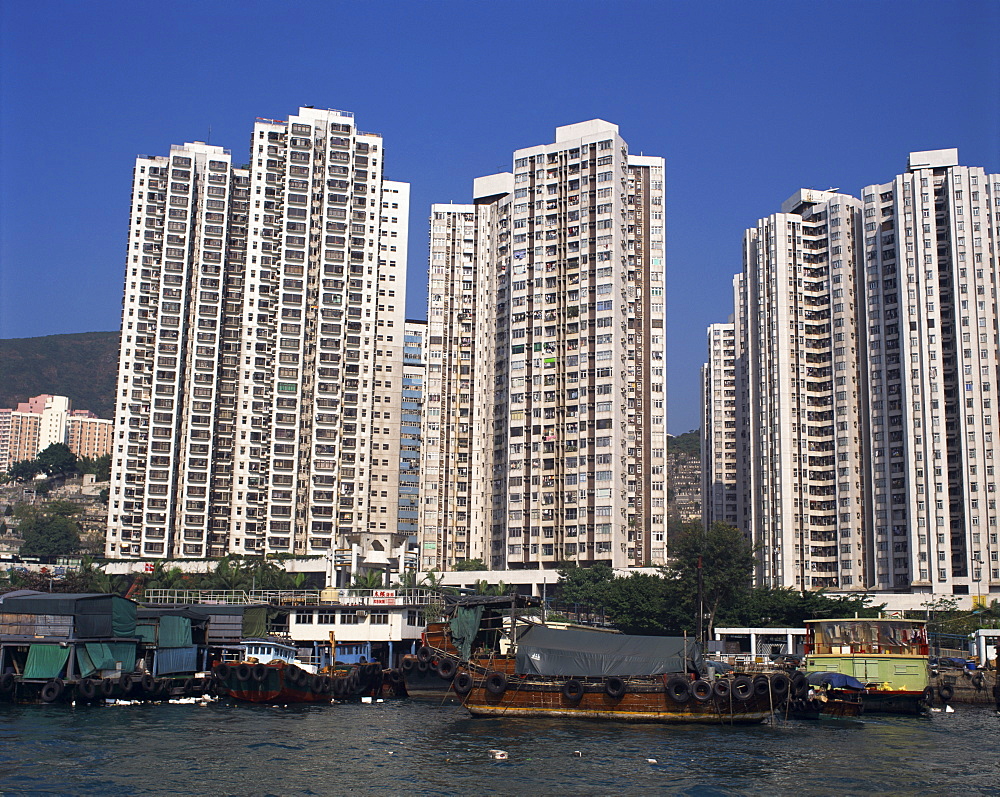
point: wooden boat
(828, 695)
(888, 656)
(267, 672)
(537, 670)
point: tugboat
(888, 656)
(531, 669)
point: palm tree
(373, 579)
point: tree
(24, 471)
(636, 603)
(788, 608)
(463, 565)
(727, 561)
(100, 467)
(587, 585)
(373, 579)
(57, 460)
(49, 535)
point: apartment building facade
(261, 367)
(549, 290)
(867, 354)
(35, 424)
(720, 432)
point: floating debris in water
(650, 760)
(498, 755)
(577, 754)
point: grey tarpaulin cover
(575, 652)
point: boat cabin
(866, 636)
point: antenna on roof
(209, 135)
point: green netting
(464, 627)
(175, 632)
(45, 661)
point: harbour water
(422, 747)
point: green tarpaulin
(464, 627)
(147, 633)
(175, 632)
(45, 661)
(255, 622)
(93, 657)
(123, 652)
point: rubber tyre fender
(408, 665)
(125, 683)
(742, 688)
(573, 689)
(339, 687)
(496, 683)
(259, 673)
(761, 686)
(52, 691)
(800, 685)
(780, 685)
(723, 688)
(7, 682)
(107, 687)
(242, 672)
(678, 689)
(423, 666)
(424, 654)
(929, 695)
(946, 692)
(299, 678)
(701, 690)
(815, 705)
(979, 681)
(147, 683)
(222, 670)
(87, 689)
(395, 677)
(614, 687)
(446, 669)
(463, 683)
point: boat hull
(647, 702)
(273, 683)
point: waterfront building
(867, 356)
(261, 361)
(549, 288)
(719, 436)
(37, 423)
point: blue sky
(746, 101)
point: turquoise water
(423, 747)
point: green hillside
(82, 366)
(687, 443)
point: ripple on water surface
(422, 747)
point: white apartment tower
(261, 361)
(931, 277)
(867, 359)
(563, 327)
(719, 430)
(804, 413)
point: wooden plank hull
(640, 703)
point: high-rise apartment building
(411, 414)
(261, 363)
(867, 352)
(37, 423)
(719, 496)
(931, 238)
(546, 317)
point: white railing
(290, 597)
